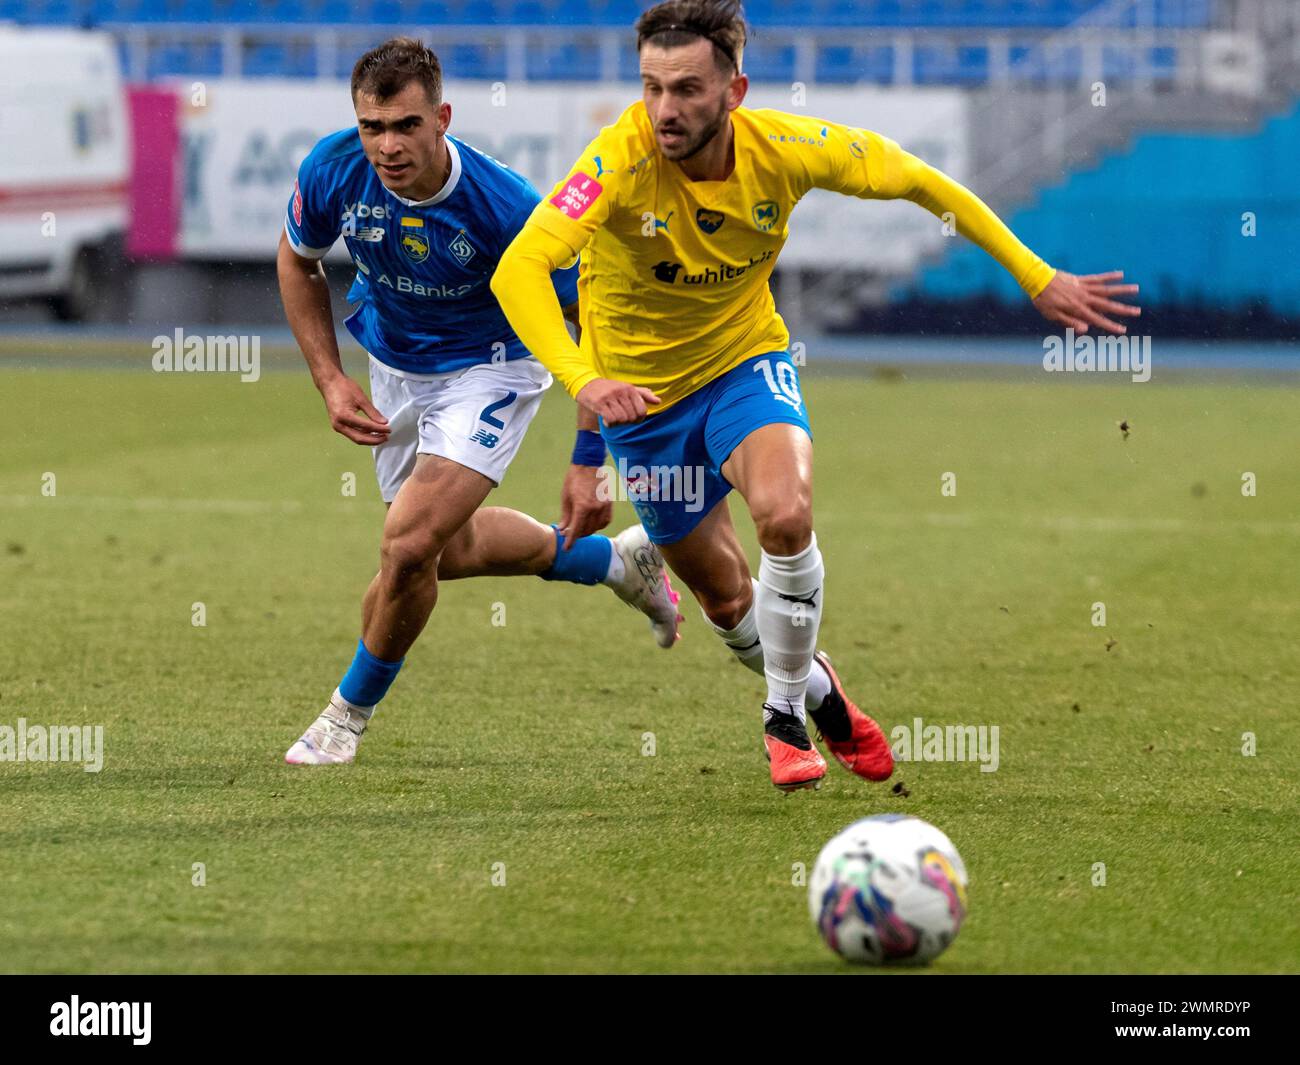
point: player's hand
(582, 511)
(616, 401)
(351, 412)
(1078, 302)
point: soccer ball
(890, 888)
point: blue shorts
(670, 464)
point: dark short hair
(677, 22)
(385, 71)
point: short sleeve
(310, 223)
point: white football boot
(645, 584)
(332, 738)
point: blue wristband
(589, 449)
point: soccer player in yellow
(679, 210)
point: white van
(65, 159)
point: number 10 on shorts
(783, 381)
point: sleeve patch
(297, 204)
(579, 193)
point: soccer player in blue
(425, 217)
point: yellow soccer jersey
(673, 287)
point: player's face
(688, 98)
(402, 138)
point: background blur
(148, 147)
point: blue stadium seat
(386, 12)
(272, 59)
(529, 13)
(54, 12)
(568, 61)
(948, 65)
(193, 11)
(845, 64)
(245, 11)
(767, 62)
(429, 13)
(475, 61)
(1036, 64)
(291, 11)
(187, 60)
(615, 12)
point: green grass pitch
(522, 743)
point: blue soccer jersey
(423, 267)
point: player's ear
(736, 91)
(444, 116)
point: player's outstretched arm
(522, 285)
(1076, 302)
(306, 299)
(875, 167)
(582, 510)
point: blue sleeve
(310, 221)
(564, 280)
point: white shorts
(476, 416)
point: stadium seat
(193, 11)
(846, 64)
(475, 61)
(429, 13)
(615, 12)
(55, 12)
(384, 12)
(766, 62)
(185, 60)
(569, 61)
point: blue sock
(368, 678)
(586, 562)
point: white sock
(789, 608)
(745, 645)
(617, 570)
(743, 639)
(819, 686)
(365, 712)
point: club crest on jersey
(461, 248)
(414, 242)
(709, 221)
(766, 214)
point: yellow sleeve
(556, 231)
(522, 285)
(860, 163)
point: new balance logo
(482, 436)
